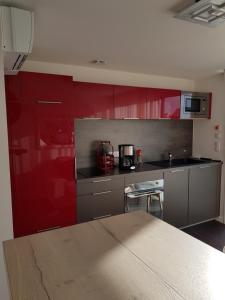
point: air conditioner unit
(17, 31)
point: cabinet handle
(101, 193)
(75, 168)
(175, 171)
(86, 118)
(204, 167)
(48, 102)
(131, 118)
(102, 180)
(105, 216)
(47, 229)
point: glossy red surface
(41, 138)
(163, 104)
(41, 145)
(92, 100)
(129, 102)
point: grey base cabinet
(175, 207)
(204, 193)
(99, 198)
(100, 205)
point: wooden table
(132, 256)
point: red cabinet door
(92, 100)
(41, 145)
(129, 102)
(23, 161)
(55, 173)
(38, 87)
(13, 87)
(163, 104)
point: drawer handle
(102, 180)
(48, 102)
(47, 229)
(179, 170)
(86, 118)
(101, 193)
(105, 216)
(204, 167)
(131, 118)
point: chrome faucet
(170, 156)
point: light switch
(217, 146)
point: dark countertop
(92, 172)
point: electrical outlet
(116, 154)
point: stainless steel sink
(177, 162)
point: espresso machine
(126, 157)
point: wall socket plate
(116, 154)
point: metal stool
(157, 196)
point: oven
(195, 105)
(147, 196)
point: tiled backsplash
(155, 137)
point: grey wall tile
(155, 137)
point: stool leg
(160, 203)
(148, 203)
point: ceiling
(131, 35)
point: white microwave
(195, 105)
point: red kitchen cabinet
(41, 109)
(129, 102)
(163, 104)
(55, 147)
(13, 87)
(37, 87)
(92, 100)
(42, 155)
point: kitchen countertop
(84, 173)
(129, 256)
(94, 172)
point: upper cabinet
(13, 87)
(92, 100)
(45, 88)
(129, 102)
(163, 104)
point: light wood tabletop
(127, 257)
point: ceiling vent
(205, 12)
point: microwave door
(193, 105)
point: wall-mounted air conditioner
(17, 31)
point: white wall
(204, 133)
(6, 230)
(99, 75)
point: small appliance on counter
(126, 157)
(105, 156)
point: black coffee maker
(126, 157)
